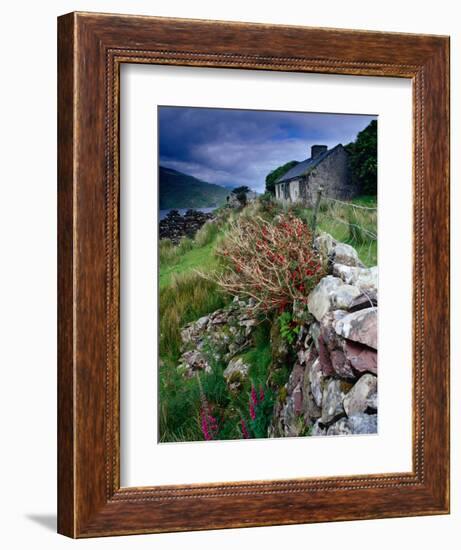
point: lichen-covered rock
(345, 254)
(216, 337)
(360, 326)
(324, 357)
(291, 421)
(356, 401)
(310, 408)
(372, 401)
(332, 401)
(291, 425)
(330, 345)
(360, 357)
(191, 331)
(192, 362)
(330, 294)
(364, 423)
(313, 335)
(303, 355)
(340, 427)
(316, 380)
(301, 312)
(318, 429)
(340, 365)
(366, 279)
(325, 243)
(236, 373)
(328, 329)
(356, 424)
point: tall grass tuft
(207, 233)
(185, 299)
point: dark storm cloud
(234, 147)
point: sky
(232, 147)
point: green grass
(202, 258)
(347, 224)
(187, 298)
(184, 297)
(355, 226)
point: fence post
(316, 211)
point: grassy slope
(184, 295)
(202, 258)
(332, 218)
(367, 248)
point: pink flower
(245, 433)
(205, 430)
(252, 411)
(261, 393)
(209, 425)
(254, 397)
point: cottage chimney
(317, 150)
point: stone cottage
(327, 168)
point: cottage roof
(305, 166)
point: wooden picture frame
(91, 49)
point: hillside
(178, 190)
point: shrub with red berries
(272, 262)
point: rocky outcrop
(236, 373)
(220, 336)
(175, 227)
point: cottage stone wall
(332, 174)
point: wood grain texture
(91, 49)
(65, 277)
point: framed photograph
(221, 190)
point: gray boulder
(330, 345)
(345, 254)
(192, 362)
(235, 373)
(364, 423)
(360, 326)
(366, 279)
(356, 424)
(313, 335)
(325, 243)
(193, 330)
(330, 294)
(357, 400)
(318, 429)
(372, 401)
(332, 401)
(316, 380)
(360, 357)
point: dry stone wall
(333, 385)
(175, 227)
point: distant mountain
(178, 190)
